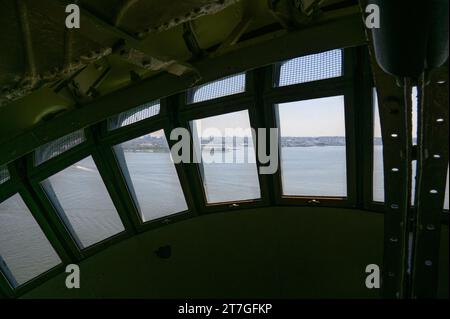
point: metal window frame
(109, 139)
(337, 86)
(185, 113)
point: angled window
(4, 174)
(224, 146)
(134, 115)
(83, 203)
(57, 147)
(151, 176)
(309, 68)
(25, 252)
(313, 147)
(227, 86)
(378, 173)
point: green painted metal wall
(286, 252)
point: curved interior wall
(276, 252)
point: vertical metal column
(432, 166)
(395, 118)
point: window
(83, 203)
(225, 146)
(446, 194)
(309, 68)
(25, 252)
(151, 176)
(227, 86)
(57, 147)
(313, 147)
(414, 141)
(134, 115)
(4, 174)
(378, 173)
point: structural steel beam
(430, 187)
(395, 118)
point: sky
(220, 123)
(312, 118)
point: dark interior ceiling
(47, 69)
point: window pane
(25, 252)
(225, 146)
(446, 194)
(134, 115)
(151, 176)
(378, 173)
(57, 147)
(414, 141)
(312, 67)
(81, 198)
(313, 147)
(4, 174)
(223, 87)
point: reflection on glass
(83, 203)
(378, 174)
(309, 68)
(25, 252)
(57, 147)
(134, 115)
(313, 147)
(446, 194)
(227, 86)
(4, 174)
(225, 146)
(151, 176)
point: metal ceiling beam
(131, 41)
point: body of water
(90, 215)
